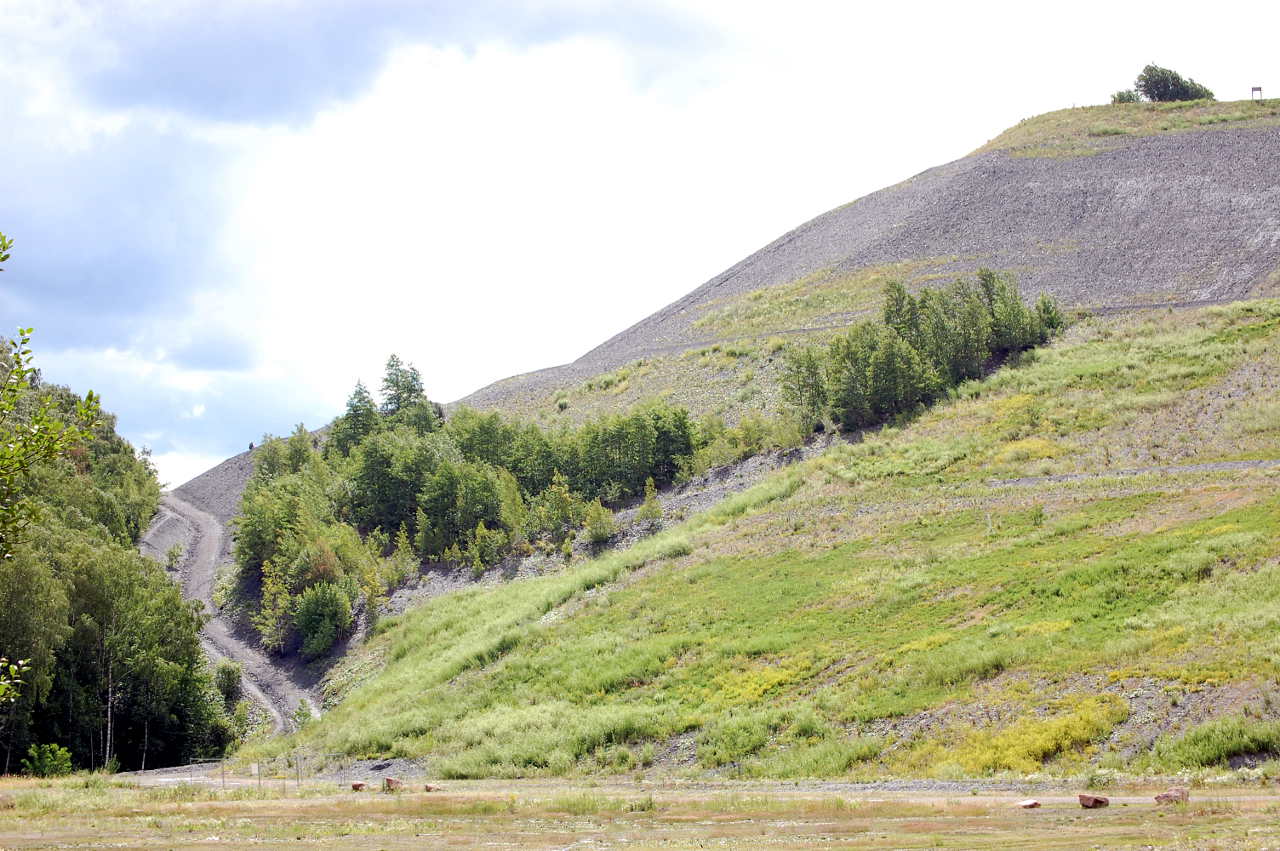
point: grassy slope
(1086, 130)
(884, 608)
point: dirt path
(1169, 470)
(201, 536)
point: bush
(1215, 742)
(226, 677)
(47, 761)
(924, 345)
(1161, 84)
(650, 510)
(600, 525)
(735, 738)
(1125, 96)
(324, 613)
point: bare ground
(633, 812)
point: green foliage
(925, 344)
(803, 387)
(556, 510)
(31, 432)
(298, 449)
(11, 678)
(1125, 96)
(323, 615)
(1025, 745)
(115, 667)
(1213, 743)
(391, 469)
(359, 421)
(401, 386)
(484, 547)
(736, 738)
(227, 677)
(754, 433)
(47, 761)
(650, 510)
(600, 525)
(272, 618)
(1161, 84)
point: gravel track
(195, 516)
(1168, 470)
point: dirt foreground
(95, 812)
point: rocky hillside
(1105, 207)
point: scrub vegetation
(933, 600)
(104, 668)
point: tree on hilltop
(1161, 85)
(401, 386)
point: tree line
(111, 670)
(331, 521)
(923, 345)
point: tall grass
(1215, 742)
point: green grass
(1072, 132)
(849, 616)
(822, 298)
(1215, 742)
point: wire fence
(282, 772)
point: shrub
(735, 738)
(1161, 84)
(324, 613)
(1024, 745)
(1215, 742)
(47, 761)
(650, 510)
(485, 547)
(803, 386)
(600, 525)
(226, 677)
(1125, 96)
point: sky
(226, 213)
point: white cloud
(177, 467)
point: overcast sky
(226, 213)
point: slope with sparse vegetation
(1071, 563)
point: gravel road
(203, 538)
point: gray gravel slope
(1163, 219)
